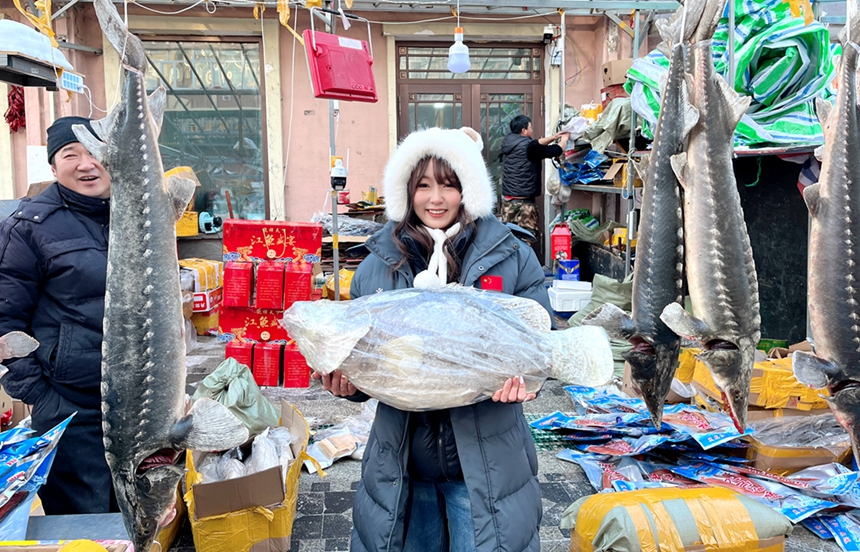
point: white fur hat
(461, 149)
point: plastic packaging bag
(426, 349)
(232, 385)
(803, 431)
(264, 454)
(282, 438)
(230, 466)
(358, 426)
(347, 226)
(209, 468)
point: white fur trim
(455, 147)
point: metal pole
(335, 249)
(631, 200)
(731, 44)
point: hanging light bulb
(458, 54)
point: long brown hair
(413, 226)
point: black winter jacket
(493, 442)
(521, 169)
(53, 267)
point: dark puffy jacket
(53, 265)
(494, 444)
(520, 176)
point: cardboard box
(267, 364)
(269, 288)
(205, 301)
(251, 325)
(784, 460)
(254, 512)
(270, 240)
(611, 92)
(704, 400)
(207, 273)
(773, 385)
(615, 72)
(206, 322)
(241, 351)
(298, 283)
(297, 373)
(238, 283)
(188, 224)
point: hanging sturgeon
(658, 274)
(720, 269)
(143, 352)
(834, 253)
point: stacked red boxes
(267, 364)
(297, 373)
(241, 351)
(268, 267)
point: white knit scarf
(436, 274)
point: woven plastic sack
(232, 385)
(708, 518)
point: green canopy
(781, 62)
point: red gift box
(267, 364)
(271, 240)
(251, 325)
(269, 290)
(297, 373)
(298, 283)
(241, 351)
(238, 283)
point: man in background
(53, 269)
(521, 181)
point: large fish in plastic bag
(417, 349)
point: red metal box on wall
(251, 324)
(340, 67)
(271, 240)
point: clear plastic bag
(264, 454)
(347, 226)
(803, 431)
(208, 469)
(423, 349)
(230, 465)
(358, 426)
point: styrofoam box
(568, 300)
(572, 284)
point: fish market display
(834, 254)
(446, 347)
(143, 364)
(719, 263)
(658, 273)
(15, 345)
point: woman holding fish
(462, 478)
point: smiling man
(53, 265)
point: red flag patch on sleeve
(493, 283)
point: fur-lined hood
(461, 149)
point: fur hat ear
(473, 134)
(461, 149)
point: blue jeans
(436, 506)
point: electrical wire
(153, 10)
(286, 186)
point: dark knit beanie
(60, 134)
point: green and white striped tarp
(780, 62)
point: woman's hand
(514, 390)
(337, 383)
